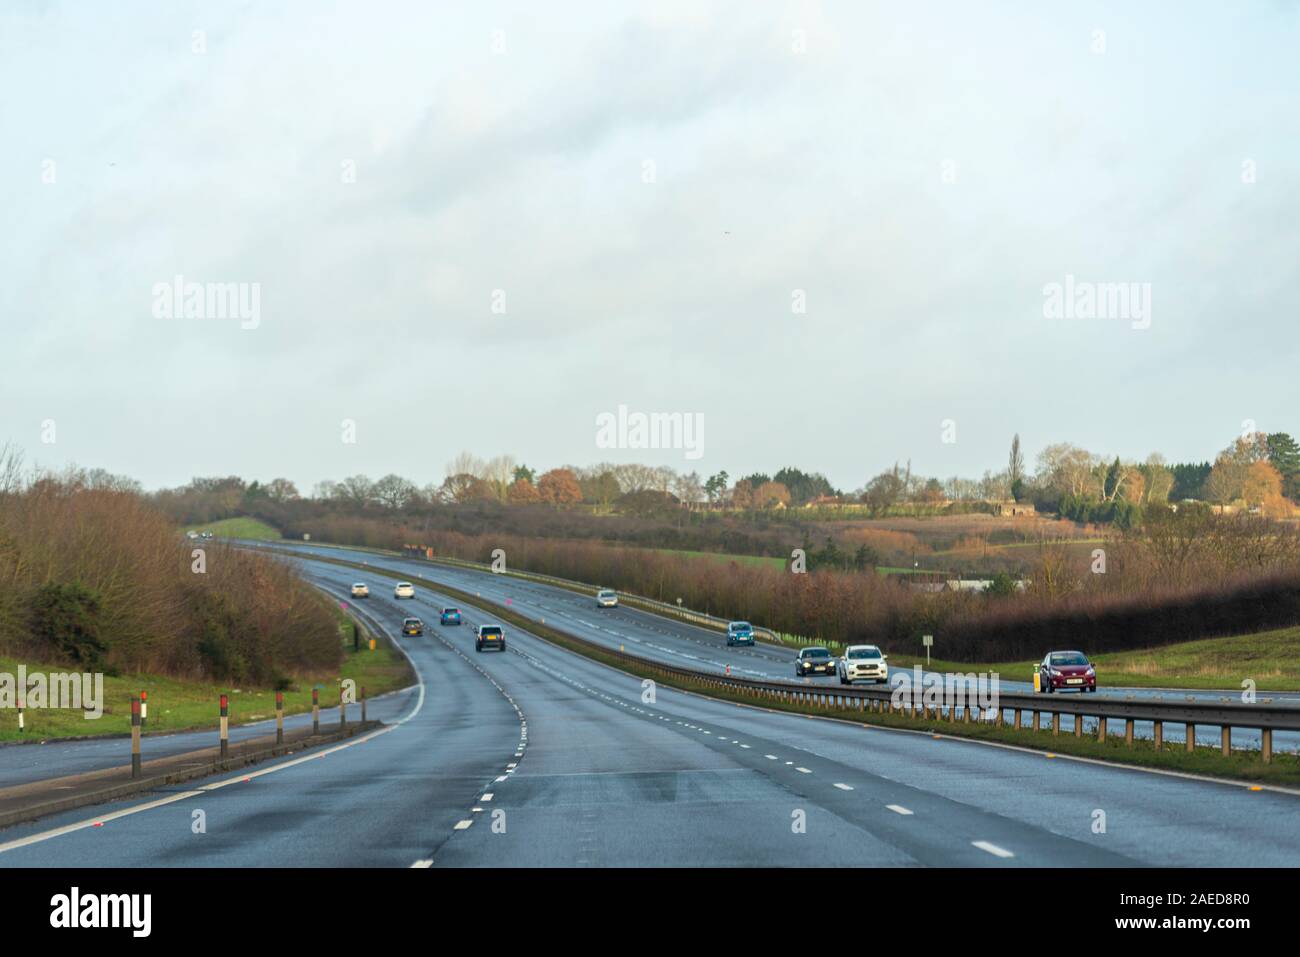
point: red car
(1066, 671)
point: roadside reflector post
(225, 727)
(1225, 740)
(279, 717)
(363, 704)
(1191, 738)
(1101, 728)
(144, 710)
(21, 723)
(1158, 734)
(356, 637)
(1128, 732)
(372, 644)
(343, 709)
(1266, 744)
(135, 737)
(315, 711)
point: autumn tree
(522, 492)
(559, 487)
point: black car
(489, 636)
(412, 626)
(814, 661)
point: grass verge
(240, 527)
(181, 705)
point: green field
(177, 705)
(241, 527)
(1270, 658)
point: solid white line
(184, 795)
(993, 849)
(843, 787)
(898, 809)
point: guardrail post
(363, 704)
(225, 727)
(1101, 728)
(1225, 740)
(279, 717)
(999, 717)
(1078, 726)
(315, 711)
(135, 737)
(1037, 717)
(1191, 738)
(1056, 724)
(1266, 744)
(1019, 724)
(1128, 732)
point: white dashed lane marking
(843, 787)
(803, 770)
(898, 809)
(992, 849)
(461, 825)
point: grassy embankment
(179, 705)
(241, 527)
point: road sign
(928, 641)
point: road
(536, 756)
(686, 645)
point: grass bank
(241, 527)
(179, 705)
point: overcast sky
(649, 190)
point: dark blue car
(449, 616)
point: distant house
(1013, 508)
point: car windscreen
(1069, 658)
(864, 653)
(491, 631)
(741, 626)
(816, 653)
(451, 611)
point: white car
(404, 590)
(606, 598)
(862, 663)
(360, 590)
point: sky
(826, 232)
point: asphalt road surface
(535, 756)
(686, 645)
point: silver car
(607, 598)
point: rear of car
(489, 637)
(404, 590)
(863, 663)
(449, 616)
(413, 627)
(360, 590)
(606, 598)
(1066, 671)
(814, 661)
(740, 633)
